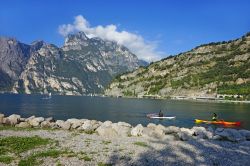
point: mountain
(82, 66)
(210, 70)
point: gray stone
(75, 123)
(151, 126)
(13, 119)
(35, 122)
(50, 119)
(137, 130)
(124, 124)
(106, 131)
(121, 130)
(23, 125)
(160, 129)
(29, 118)
(185, 134)
(201, 132)
(1, 118)
(172, 129)
(45, 124)
(107, 123)
(64, 125)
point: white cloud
(143, 49)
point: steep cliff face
(207, 70)
(83, 65)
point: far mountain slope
(207, 70)
(82, 66)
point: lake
(132, 111)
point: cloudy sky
(152, 29)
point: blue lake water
(132, 111)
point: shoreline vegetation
(46, 141)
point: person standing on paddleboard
(160, 114)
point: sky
(152, 29)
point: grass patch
(103, 164)
(21, 144)
(6, 159)
(33, 159)
(86, 158)
(106, 142)
(143, 144)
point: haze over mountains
(82, 66)
(207, 70)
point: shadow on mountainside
(192, 152)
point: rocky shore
(107, 143)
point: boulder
(151, 126)
(1, 118)
(124, 124)
(75, 123)
(121, 130)
(89, 125)
(160, 129)
(107, 123)
(137, 130)
(185, 134)
(106, 131)
(64, 125)
(172, 129)
(45, 124)
(29, 118)
(231, 135)
(50, 119)
(150, 133)
(23, 125)
(35, 122)
(245, 133)
(201, 132)
(53, 125)
(13, 119)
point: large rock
(35, 122)
(75, 123)
(160, 129)
(29, 118)
(106, 131)
(151, 126)
(124, 124)
(137, 130)
(45, 124)
(13, 119)
(23, 125)
(50, 119)
(64, 125)
(90, 125)
(231, 135)
(107, 123)
(245, 133)
(185, 134)
(201, 132)
(121, 129)
(172, 130)
(1, 118)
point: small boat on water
(156, 116)
(47, 96)
(219, 122)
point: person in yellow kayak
(215, 117)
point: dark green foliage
(242, 89)
(6, 159)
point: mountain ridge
(81, 66)
(209, 70)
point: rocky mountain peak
(75, 41)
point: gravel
(124, 151)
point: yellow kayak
(220, 122)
